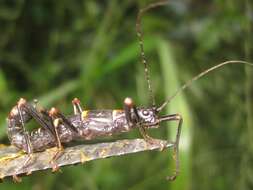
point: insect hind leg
(28, 144)
(22, 113)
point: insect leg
(41, 117)
(57, 114)
(175, 117)
(77, 106)
(24, 110)
(29, 149)
(57, 118)
(150, 139)
(77, 109)
(56, 121)
(145, 135)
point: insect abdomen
(96, 123)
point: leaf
(12, 158)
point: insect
(55, 128)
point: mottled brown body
(89, 125)
(56, 129)
(97, 123)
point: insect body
(85, 125)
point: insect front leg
(175, 117)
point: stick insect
(55, 128)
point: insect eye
(145, 112)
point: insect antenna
(203, 73)
(140, 38)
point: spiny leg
(161, 143)
(55, 113)
(58, 118)
(175, 117)
(77, 106)
(29, 150)
(145, 135)
(43, 120)
(79, 111)
(56, 121)
(41, 117)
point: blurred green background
(57, 50)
